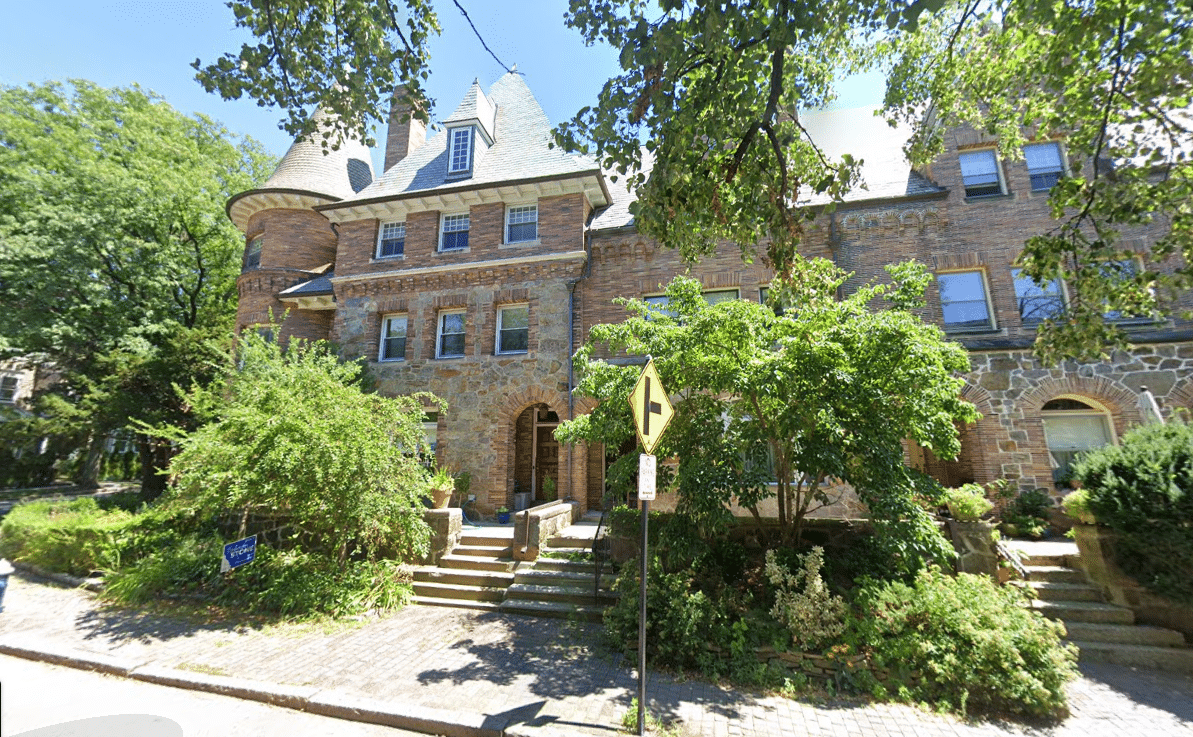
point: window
(719, 295)
(1121, 270)
(431, 439)
(963, 301)
(454, 232)
(1072, 427)
(460, 155)
(661, 304)
(393, 338)
(1037, 303)
(392, 240)
(1044, 164)
(764, 295)
(979, 172)
(8, 389)
(450, 343)
(252, 254)
(522, 224)
(513, 329)
(265, 332)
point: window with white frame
(453, 232)
(521, 223)
(1071, 427)
(979, 173)
(513, 329)
(460, 153)
(450, 341)
(393, 338)
(716, 296)
(391, 241)
(764, 297)
(1045, 164)
(964, 300)
(1037, 302)
(8, 389)
(252, 254)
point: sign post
(652, 413)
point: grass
(654, 725)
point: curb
(93, 585)
(309, 699)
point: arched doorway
(536, 454)
(1073, 425)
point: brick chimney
(404, 136)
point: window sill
(391, 360)
(989, 197)
(973, 332)
(387, 259)
(441, 251)
(522, 244)
(511, 353)
(448, 358)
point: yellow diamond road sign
(652, 409)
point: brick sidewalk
(537, 672)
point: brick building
(476, 262)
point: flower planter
(503, 517)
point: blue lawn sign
(238, 553)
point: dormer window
(459, 155)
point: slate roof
(520, 150)
(885, 172)
(319, 285)
(339, 174)
(475, 107)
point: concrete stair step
(569, 594)
(472, 563)
(1124, 634)
(556, 564)
(486, 538)
(555, 577)
(484, 606)
(459, 591)
(1051, 591)
(1084, 611)
(464, 577)
(557, 610)
(1052, 561)
(1176, 659)
(484, 551)
(1055, 574)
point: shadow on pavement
(120, 625)
(1162, 690)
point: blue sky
(152, 42)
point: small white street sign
(646, 477)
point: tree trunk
(87, 474)
(155, 458)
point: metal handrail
(600, 548)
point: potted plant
(440, 486)
(967, 503)
(549, 489)
(503, 515)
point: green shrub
(287, 582)
(1076, 505)
(974, 644)
(967, 503)
(74, 537)
(814, 616)
(1142, 489)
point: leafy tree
(1115, 82)
(346, 57)
(293, 435)
(828, 391)
(115, 252)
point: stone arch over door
(1180, 398)
(519, 405)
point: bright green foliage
(1142, 489)
(74, 537)
(345, 57)
(1028, 513)
(117, 263)
(1076, 505)
(712, 89)
(975, 645)
(967, 502)
(827, 391)
(1114, 82)
(293, 435)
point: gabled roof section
(885, 172)
(306, 176)
(522, 151)
(475, 109)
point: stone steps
(468, 562)
(556, 610)
(463, 577)
(434, 590)
(483, 551)
(1103, 633)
